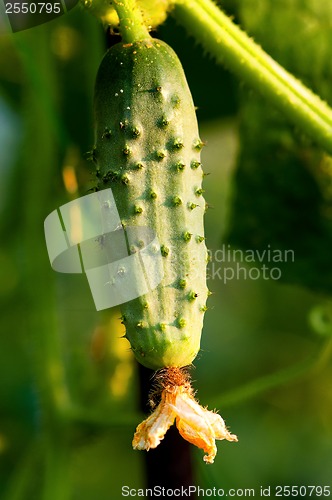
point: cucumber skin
(147, 150)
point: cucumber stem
(235, 49)
(132, 27)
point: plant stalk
(132, 27)
(235, 49)
(270, 381)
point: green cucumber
(147, 150)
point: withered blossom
(196, 424)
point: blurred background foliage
(68, 382)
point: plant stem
(234, 48)
(39, 123)
(132, 27)
(40, 164)
(276, 379)
(24, 474)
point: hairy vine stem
(132, 27)
(232, 47)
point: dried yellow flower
(196, 424)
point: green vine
(132, 27)
(231, 46)
(267, 382)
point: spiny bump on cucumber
(163, 121)
(198, 145)
(92, 155)
(195, 164)
(176, 201)
(180, 166)
(182, 284)
(127, 151)
(175, 100)
(187, 236)
(176, 144)
(138, 209)
(135, 132)
(164, 250)
(110, 176)
(123, 124)
(125, 179)
(106, 134)
(161, 154)
(181, 323)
